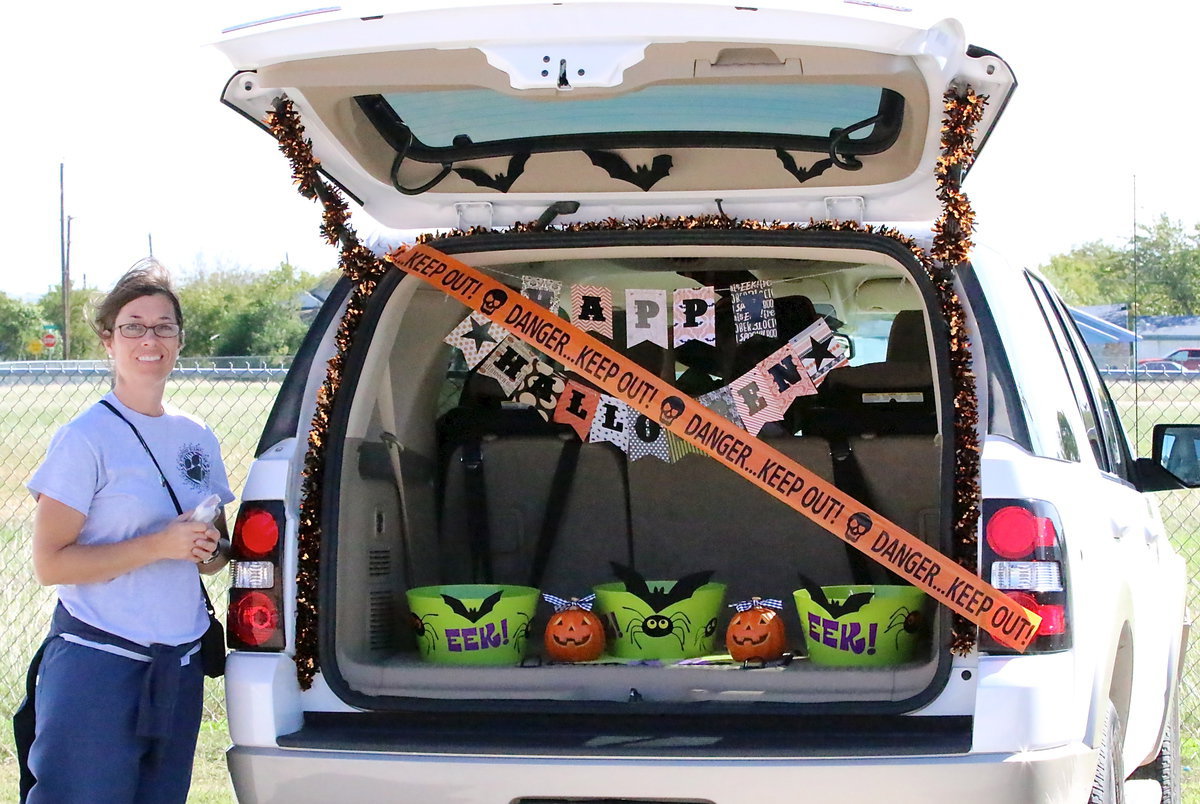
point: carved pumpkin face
(756, 633)
(574, 635)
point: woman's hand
(183, 539)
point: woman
(120, 689)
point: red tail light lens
(256, 533)
(256, 591)
(1023, 556)
(1017, 532)
(254, 619)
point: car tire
(1167, 767)
(1108, 785)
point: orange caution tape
(769, 469)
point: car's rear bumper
(296, 776)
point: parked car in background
(1188, 358)
(1165, 367)
(625, 148)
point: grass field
(30, 412)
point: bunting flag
(786, 375)
(721, 403)
(508, 364)
(542, 290)
(646, 317)
(755, 400)
(591, 308)
(611, 422)
(753, 310)
(476, 336)
(695, 315)
(647, 437)
(679, 448)
(541, 389)
(818, 351)
(576, 406)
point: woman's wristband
(221, 549)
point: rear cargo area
(445, 477)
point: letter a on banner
(695, 315)
(576, 406)
(645, 317)
(591, 308)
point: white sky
(127, 96)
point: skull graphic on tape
(671, 409)
(493, 300)
(858, 526)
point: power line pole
(64, 241)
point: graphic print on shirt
(194, 465)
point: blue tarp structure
(1097, 330)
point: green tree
(83, 343)
(1158, 271)
(20, 322)
(234, 312)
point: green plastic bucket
(883, 631)
(636, 629)
(472, 624)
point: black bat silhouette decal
(501, 181)
(659, 598)
(803, 174)
(642, 176)
(474, 615)
(852, 604)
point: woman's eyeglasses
(135, 330)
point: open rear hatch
(453, 118)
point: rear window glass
(483, 115)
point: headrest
(906, 341)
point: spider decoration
(423, 631)
(658, 626)
(905, 621)
(709, 631)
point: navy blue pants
(87, 749)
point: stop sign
(49, 340)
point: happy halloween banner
(625, 382)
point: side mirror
(1177, 452)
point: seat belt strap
(556, 506)
(477, 510)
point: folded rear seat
(698, 515)
(519, 457)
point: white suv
(829, 406)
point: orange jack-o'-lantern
(756, 631)
(574, 633)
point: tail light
(255, 619)
(1023, 556)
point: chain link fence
(234, 396)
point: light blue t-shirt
(96, 466)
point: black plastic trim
(996, 358)
(394, 131)
(624, 733)
(335, 459)
(284, 420)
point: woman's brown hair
(147, 277)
